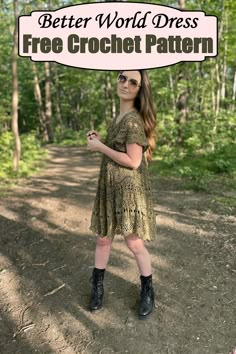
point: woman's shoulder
(134, 119)
(134, 116)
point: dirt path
(47, 258)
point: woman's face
(128, 85)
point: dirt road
(46, 261)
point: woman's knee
(134, 243)
(103, 241)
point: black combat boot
(146, 297)
(97, 289)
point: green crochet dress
(123, 202)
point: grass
(203, 171)
(32, 160)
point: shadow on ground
(47, 256)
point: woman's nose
(126, 84)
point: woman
(123, 203)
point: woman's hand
(94, 144)
(94, 133)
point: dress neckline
(133, 110)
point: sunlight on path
(47, 255)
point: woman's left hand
(94, 144)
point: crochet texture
(123, 202)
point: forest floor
(47, 257)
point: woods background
(43, 103)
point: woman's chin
(124, 95)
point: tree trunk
(181, 103)
(172, 90)
(181, 4)
(15, 130)
(218, 70)
(218, 81)
(200, 89)
(212, 85)
(181, 117)
(75, 119)
(224, 71)
(38, 97)
(110, 100)
(48, 103)
(217, 105)
(234, 94)
(108, 108)
(57, 103)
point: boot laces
(97, 285)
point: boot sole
(95, 309)
(144, 317)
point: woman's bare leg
(143, 259)
(102, 252)
(141, 254)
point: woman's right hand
(94, 133)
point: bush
(70, 137)
(221, 166)
(31, 154)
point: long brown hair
(144, 104)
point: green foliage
(86, 99)
(102, 129)
(194, 142)
(31, 155)
(198, 170)
(223, 160)
(6, 148)
(222, 166)
(70, 137)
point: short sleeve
(135, 133)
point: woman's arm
(131, 159)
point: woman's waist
(112, 165)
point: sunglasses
(131, 82)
